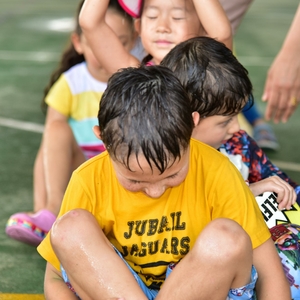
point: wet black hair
(145, 111)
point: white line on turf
(291, 166)
(39, 56)
(28, 126)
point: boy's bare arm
(54, 286)
(105, 44)
(214, 20)
(272, 282)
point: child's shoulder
(202, 149)
(79, 69)
(208, 163)
(80, 80)
(95, 163)
(242, 135)
(206, 157)
(240, 140)
(239, 136)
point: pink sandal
(30, 229)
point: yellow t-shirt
(152, 233)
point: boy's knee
(67, 229)
(224, 238)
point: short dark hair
(146, 111)
(215, 81)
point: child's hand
(286, 195)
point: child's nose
(163, 24)
(235, 125)
(155, 191)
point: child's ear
(96, 130)
(196, 118)
(75, 38)
(137, 25)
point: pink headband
(132, 7)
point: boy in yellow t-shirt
(158, 216)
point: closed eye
(152, 17)
(224, 124)
(135, 181)
(173, 176)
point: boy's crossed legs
(220, 260)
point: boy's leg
(62, 156)
(99, 273)
(220, 260)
